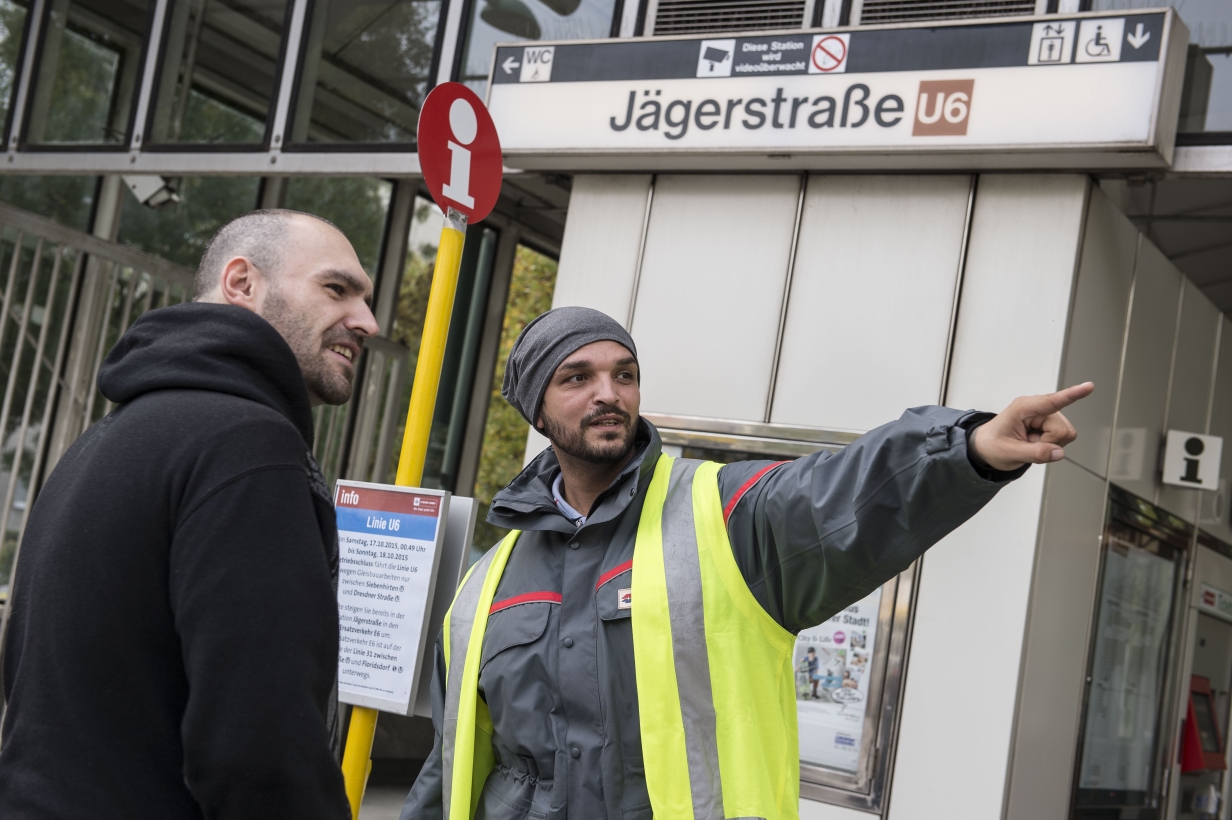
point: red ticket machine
(1202, 748)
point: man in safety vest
(626, 652)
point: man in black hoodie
(173, 644)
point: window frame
(295, 98)
(21, 70)
(21, 141)
(271, 124)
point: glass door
(1123, 746)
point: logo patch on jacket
(624, 599)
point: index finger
(1050, 403)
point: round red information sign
(459, 152)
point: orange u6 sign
(459, 151)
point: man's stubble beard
(572, 441)
(310, 351)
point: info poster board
(453, 563)
(389, 543)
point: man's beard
(573, 441)
(310, 351)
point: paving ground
(382, 802)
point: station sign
(1058, 91)
(389, 545)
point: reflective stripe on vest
(467, 756)
(715, 683)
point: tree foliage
(504, 436)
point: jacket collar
(526, 504)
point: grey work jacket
(811, 537)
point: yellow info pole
(356, 762)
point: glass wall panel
(12, 25)
(178, 231)
(69, 200)
(357, 205)
(366, 68)
(88, 73)
(504, 21)
(219, 71)
(1206, 102)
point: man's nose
(605, 390)
(361, 322)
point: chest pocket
(515, 626)
(609, 596)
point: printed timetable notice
(389, 542)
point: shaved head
(299, 273)
(259, 236)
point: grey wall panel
(711, 290)
(1134, 462)
(1097, 328)
(1062, 596)
(1017, 288)
(598, 256)
(1216, 517)
(976, 583)
(871, 298)
(1191, 385)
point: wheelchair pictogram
(1100, 40)
(1098, 46)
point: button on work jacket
(810, 537)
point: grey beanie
(548, 340)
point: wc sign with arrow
(535, 65)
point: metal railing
(67, 298)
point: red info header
(391, 501)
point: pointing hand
(1032, 430)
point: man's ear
(240, 284)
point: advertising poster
(832, 664)
(389, 542)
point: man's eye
(338, 289)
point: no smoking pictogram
(829, 55)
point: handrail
(62, 234)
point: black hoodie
(174, 634)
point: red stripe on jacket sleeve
(526, 598)
(748, 485)
(612, 573)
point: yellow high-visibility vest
(715, 684)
